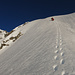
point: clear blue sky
(16, 12)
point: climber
(52, 19)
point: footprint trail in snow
(59, 60)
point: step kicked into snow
(63, 73)
(60, 49)
(62, 53)
(56, 51)
(56, 57)
(56, 46)
(60, 44)
(61, 61)
(55, 67)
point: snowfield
(45, 47)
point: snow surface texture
(7, 38)
(45, 48)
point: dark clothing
(52, 19)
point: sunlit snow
(44, 47)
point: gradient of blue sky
(16, 12)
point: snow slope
(7, 38)
(45, 48)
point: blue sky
(16, 12)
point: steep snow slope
(46, 48)
(7, 38)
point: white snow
(41, 43)
(55, 57)
(56, 51)
(55, 67)
(62, 53)
(61, 61)
(63, 73)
